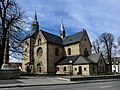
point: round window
(39, 52)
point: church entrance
(39, 68)
(80, 70)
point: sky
(95, 16)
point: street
(111, 85)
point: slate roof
(32, 34)
(94, 57)
(52, 38)
(65, 60)
(74, 38)
(83, 60)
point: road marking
(106, 86)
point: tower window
(85, 39)
(57, 51)
(93, 69)
(100, 68)
(101, 60)
(69, 51)
(103, 68)
(86, 52)
(39, 41)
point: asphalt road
(112, 85)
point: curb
(94, 81)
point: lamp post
(114, 67)
(70, 68)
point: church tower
(62, 30)
(35, 24)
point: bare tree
(107, 39)
(96, 46)
(11, 27)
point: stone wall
(75, 49)
(9, 74)
(85, 43)
(85, 69)
(52, 57)
(101, 66)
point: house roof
(94, 57)
(65, 60)
(117, 59)
(74, 38)
(83, 60)
(51, 37)
(32, 34)
(77, 59)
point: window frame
(69, 51)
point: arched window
(64, 68)
(84, 39)
(85, 52)
(57, 51)
(39, 41)
(69, 51)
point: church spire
(35, 18)
(62, 30)
(35, 24)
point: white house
(116, 64)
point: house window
(85, 39)
(69, 51)
(57, 51)
(39, 41)
(101, 60)
(31, 67)
(100, 68)
(93, 69)
(85, 52)
(75, 69)
(40, 70)
(85, 69)
(57, 68)
(64, 68)
(103, 68)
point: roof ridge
(50, 33)
(86, 58)
(74, 34)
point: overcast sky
(96, 16)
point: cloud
(96, 16)
(14, 60)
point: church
(46, 53)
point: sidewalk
(32, 81)
(43, 81)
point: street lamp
(114, 67)
(70, 68)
